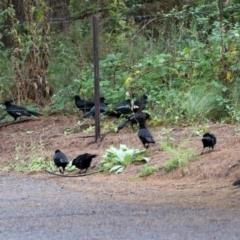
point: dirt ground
(201, 205)
(208, 180)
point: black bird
(134, 119)
(92, 111)
(127, 107)
(82, 104)
(145, 135)
(119, 109)
(209, 140)
(61, 161)
(236, 182)
(140, 103)
(17, 111)
(83, 161)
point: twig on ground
(227, 171)
(78, 175)
(16, 122)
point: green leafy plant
(186, 60)
(115, 160)
(63, 101)
(147, 170)
(109, 126)
(70, 167)
(181, 155)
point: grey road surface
(33, 208)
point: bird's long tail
(34, 113)
(236, 182)
(122, 125)
(87, 115)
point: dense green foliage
(186, 59)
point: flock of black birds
(134, 115)
(131, 109)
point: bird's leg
(85, 170)
(202, 151)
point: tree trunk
(30, 57)
(19, 9)
(58, 14)
(29, 39)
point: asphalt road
(38, 209)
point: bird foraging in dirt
(61, 161)
(145, 135)
(17, 111)
(209, 140)
(83, 161)
(102, 107)
(134, 119)
(119, 109)
(82, 104)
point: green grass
(30, 155)
(180, 156)
(203, 103)
(147, 170)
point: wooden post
(96, 78)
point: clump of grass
(147, 170)
(90, 129)
(32, 164)
(202, 104)
(116, 160)
(109, 126)
(30, 156)
(181, 156)
(73, 129)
